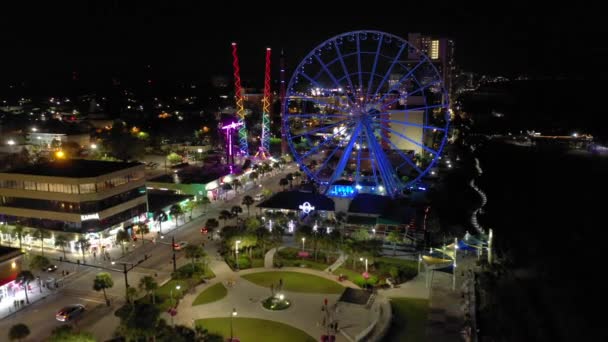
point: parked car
(70, 312)
(178, 246)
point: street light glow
(11, 142)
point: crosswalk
(87, 295)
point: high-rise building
(78, 196)
(440, 51)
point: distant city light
(575, 134)
(60, 154)
(11, 142)
(94, 146)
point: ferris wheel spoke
(307, 115)
(405, 123)
(441, 105)
(390, 69)
(346, 154)
(333, 78)
(409, 73)
(327, 161)
(429, 150)
(321, 128)
(369, 154)
(412, 93)
(371, 77)
(407, 160)
(382, 163)
(321, 103)
(346, 73)
(359, 63)
(316, 148)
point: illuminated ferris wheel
(366, 109)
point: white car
(259, 197)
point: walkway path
(341, 259)
(269, 257)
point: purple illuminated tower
(228, 131)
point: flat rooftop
(74, 168)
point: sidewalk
(13, 304)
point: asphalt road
(99, 319)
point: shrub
(407, 273)
(359, 281)
(372, 280)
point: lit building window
(435, 49)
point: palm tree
(143, 229)
(194, 252)
(283, 182)
(24, 278)
(84, 244)
(254, 176)
(149, 285)
(289, 178)
(39, 262)
(121, 237)
(175, 211)
(20, 231)
(236, 184)
(394, 237)
(211, 224)
(204, 202)
(189, 206)
(61, 241)
(248, 201)
(225, 215)
(236, 210)
(160, 217)
(102, 282)
(3, 230)
(18, 332)
(131, 294)
(41, 234)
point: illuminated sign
(306, 207)
(89, 217)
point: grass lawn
(350, 274)
(259, 262)
(305, 263)
(253, 330)
(297, 282)
(165, 293)
(211, 294)
(409, 320)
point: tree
(18, 332)
(66, 333)
(61, 241)
(143, 229)
(84, 244)
(176, 211)
(360, 234)
(41, 234)
(102, 282)
(20, 231)
(236, 184)
(211, 224)
(138, 320)
(254, 176)
(204, 200)
(236, 210)
(24, 278)
(194, 252)
(225, 215)
(131, 294)
(248, 201)
(174, 158)
(394, 237)
(189, 206)
(39, 262)
(121, 144)
(4, 230)
(121, 237)
(160, 217)
(149, 285)
(289, 178)
(283, 182)
(252, 223)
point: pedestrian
(94, 255)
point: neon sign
(306, 207)
(89, 217)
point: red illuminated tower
(282, 95)
(240, 110)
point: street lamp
(94, 146)
(361, 259)
(11, 142)
(236, 252)
(234, 313)
(303, 241)
(200, 151)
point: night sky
(193, 42)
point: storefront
(10, 266)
